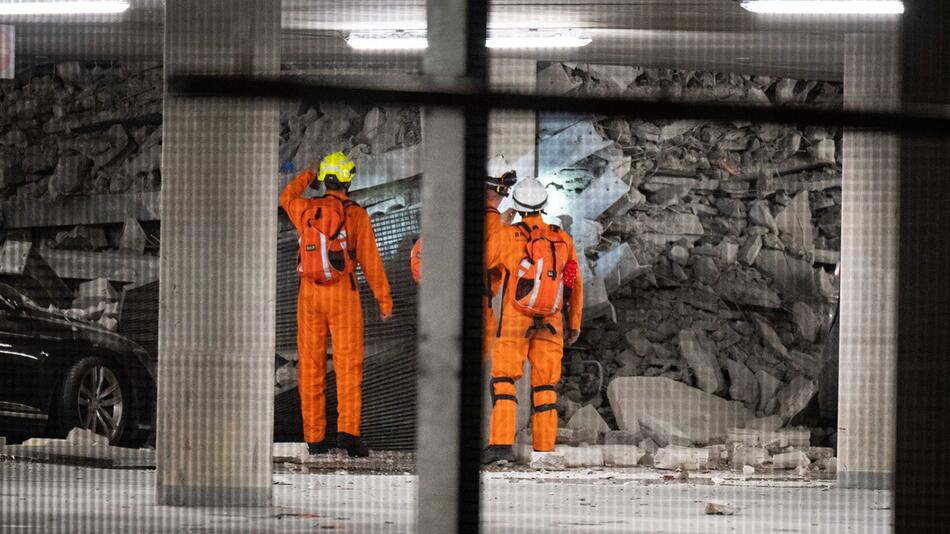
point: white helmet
(497, 166)
(529, 195)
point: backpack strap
(525, 229)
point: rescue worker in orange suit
(334, 308)
(540, 339)
(497, 189)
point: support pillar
(867, 367)
(219, 243)
(450, 299)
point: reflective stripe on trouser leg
(545, 357)
(506, 368)
(346, 331)
(311, 364)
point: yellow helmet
(337, 164)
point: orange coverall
(334, 308)
(544, 350)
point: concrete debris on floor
(81, 499)
(81, 447)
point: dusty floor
(54, 498)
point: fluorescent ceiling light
(388, 40)
(74, 7)
(536, 39)
(825, 7)
(416, 39)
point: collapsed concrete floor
(54, 498)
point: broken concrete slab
(290, 452)
(95, 291)
(70, 172)
(621, 437)
(795, 227)
(569, 146)
(554, 80)
(669, 227)
(550, 461)
(742, 294)
(81, 238)
(806, 321)
(664, 432)
(133, 236)
(719, 508)
(816, 454)
(750, 455)
(686, 458)
(761, 215)
(598, 197)
(769, 423)
(81, 449)
(769, 387)
(776, 440)
(790, 460)
(796, 278)
(701, 417)
(378, 169)
(705, 367)
(621, 455)
(580, 456)
(750, 249)
(743, 386)
(795, 397)
(768, 335)
(94, 209)
(706, 270)
(588, 418)
(618, 267)
(117, 267)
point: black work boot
(317, 447)
(353, 444)
(497, 453)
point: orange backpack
(415, 261)
(539, 288)
(324, 257)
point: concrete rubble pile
(709, 248)
(77, 131)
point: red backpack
(324, 257)
(545, 277)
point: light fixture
(388, 40)
(67, 7)
(416, 39)
(825, 7)
(536, 39)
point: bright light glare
(826, 7)
(416, 40)
(77, 7)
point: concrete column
(869, 258)
(450, 299)
(219, 239)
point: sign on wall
(7, 42)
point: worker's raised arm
(367, 254)
(291, 198)
(576, 307)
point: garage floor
(54, 498)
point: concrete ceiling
(697, 34)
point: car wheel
(96, 396)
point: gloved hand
(572, 336)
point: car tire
(97, 395)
